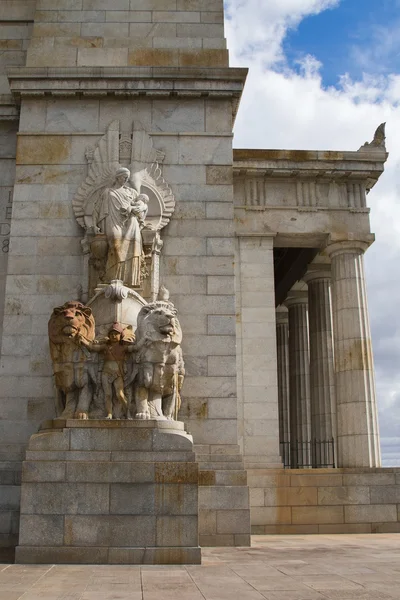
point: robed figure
(113, 209)
(118, 216)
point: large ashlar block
(116, 492)
(291, 496)
(376, 513)
(302, 515)
(343, 495)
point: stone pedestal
(117, 492)
(115, 303)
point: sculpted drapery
(111, 205)
(117, 217)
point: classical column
(282, 345)
(357, 421)
(299, 379)
(322, 377)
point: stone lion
(74, 379)
(159, 370)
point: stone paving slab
(312, 567)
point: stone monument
(122, 487)
(117, 175)
(134, 498)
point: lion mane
(72, 378)
(160, 368)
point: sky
(323, 75)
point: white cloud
(286, 109)
(256, 28)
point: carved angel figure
(115, 203)
(116, 215)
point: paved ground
(314, 567)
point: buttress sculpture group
(134, 368)
(120, 375)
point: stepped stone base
(224, 504)
(109, 492)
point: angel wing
(101, 174)
(147, 173)
(143, 155)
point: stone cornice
(365, 165)
(128, 82)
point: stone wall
(15, 31)
(170, 33)
(192, 127)
(46, 262)
(302, 501)
(8, 129)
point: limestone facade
(248, 229)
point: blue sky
(354, 37)
(323, 74)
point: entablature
(155, 82)
(308, 180)
(366, 164)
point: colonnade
(326, 385)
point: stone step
(224, 515)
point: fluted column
(282, 344)
(299, 379)
(357, 421)
(322, 376)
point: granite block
(176, 531)
(110, 530)
(41, 530)
(133, 499)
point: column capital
(317, 272)
(348, 245)
(296, 298)
(282, 315)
